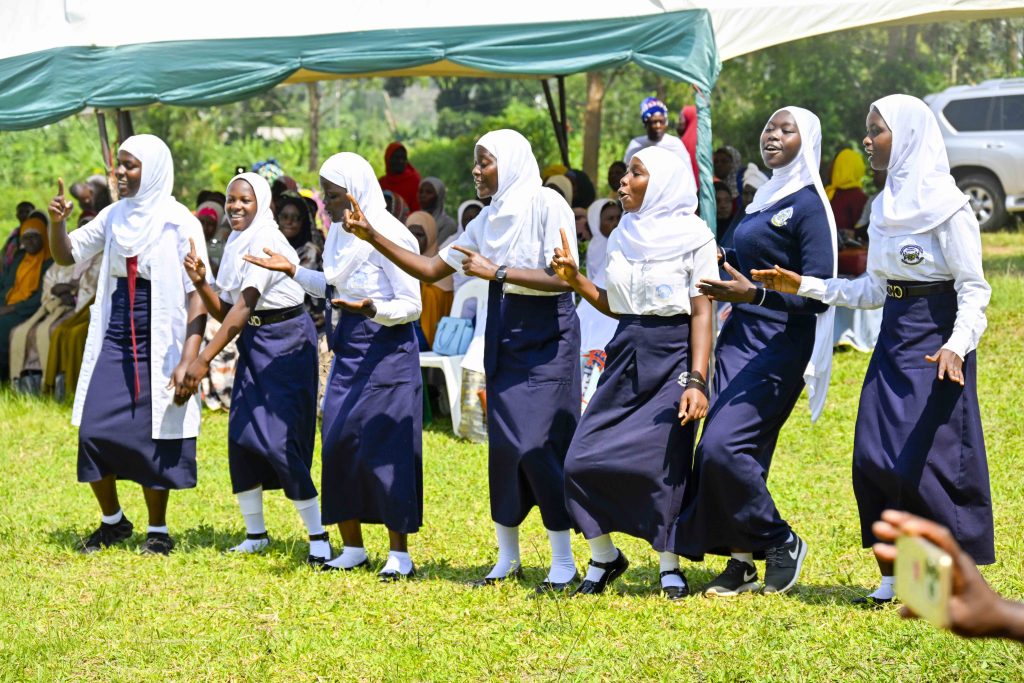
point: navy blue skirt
(116, 436)
(630, 459)
(759, 366)
(272, 422)
(532, 361)
(373, 427)
(919, 445)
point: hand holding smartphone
(924, 578)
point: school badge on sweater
(782, 217)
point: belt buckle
(895, 291)
(255, 320)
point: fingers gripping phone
(924, 578)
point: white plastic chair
(451, 366)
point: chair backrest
(474, 289)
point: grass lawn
(201, 615)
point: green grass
(200, 615)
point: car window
(1013, 112)
(970, 115)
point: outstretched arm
(564, 266)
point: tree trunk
(314, 126)
(389, 116)
(592, 124)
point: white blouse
(276, 289)
(395, 293)
(658, 287)
(951, 251)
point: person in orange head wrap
(20, 285)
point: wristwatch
(501, 274)
(687, 379)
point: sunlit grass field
(202, 615)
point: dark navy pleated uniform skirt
(919, 444)
(373, 426)
(272, 423)
(532, 361)
(630, 458)
(116, 436)
(759, 365)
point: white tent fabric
(741, 26)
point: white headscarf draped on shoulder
(262, 232)
(136, 222)
(919, 193)
(665, 226)
(343, 251)
(597, 249)
(800, 173)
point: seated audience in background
(400, 176)
(432, 196)
(583, 233)
(11, 244)
(296, 224)
(753, 178)
(211, 217)
(728, 167)
(92, 194)
(654, 115)
(845, 193)
(437, 297)
(583, 192)
(21, 284)
(975, 610)
(562, 185)
(616, 170)
(395, 205)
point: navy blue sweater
(794, 234)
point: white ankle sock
(398, 562)
(349, 557)
(310, 513)
(114, 518)
(668, 562)
(887, 589)
(601, 550)
(157, 529)
(563, 566)
(508, 551)
(251, 505)
(744, 557)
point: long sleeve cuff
(395, 312)
(313, 281)
(811, 287)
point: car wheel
(987, 200)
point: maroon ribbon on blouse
(132, 265)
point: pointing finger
(463, 250)
(565, 240)
(191, 248)
(60, 187)
(355, 205)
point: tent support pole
(559, 130)
(563, 127)
(124, 125)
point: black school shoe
(315, 561)
(513, 575)
(107, 535)
(737, 577)
(675, 592)
(545, 587)
(612, 571)
(782, 565)
(868, 602)
(157, 543)
(393, 575)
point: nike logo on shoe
(747, 578)
(795, 551)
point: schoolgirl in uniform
(918, 444)
(532, 342)
(373, 403)
(272, 422)
(768, 348)
(136, 420)
(630, 458)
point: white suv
(983, 127)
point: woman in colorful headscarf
(654, 116)
(21, 284)
(400, 176)
(395, 205)
(845, 191)
(136, 418)
(918, 444)
(432, 200)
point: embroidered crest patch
(663, 292)
(782, 217)
(912, 254)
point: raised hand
(562, 262)
(194, 266)
(274, 261)
(365, 307)
(476, 265)
(354, 221)
(737, 290)
(778, 278)
(60, 207)
(951, 366)
(693, 406)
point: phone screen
(924, 578)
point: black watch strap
(501, 274)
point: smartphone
(924, 578)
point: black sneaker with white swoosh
(783, 564)
(738, 577)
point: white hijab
(518, 184)
(597, 249)
(800, 173)
(919, 192)
(262, 232)
(136, 222)
(343, 251)
(665, 226)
